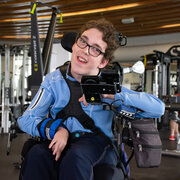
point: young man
(63, 158)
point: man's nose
(86, 49)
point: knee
(75, 155)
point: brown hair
(108, 31)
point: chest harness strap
(74, 109)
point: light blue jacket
(54, 94)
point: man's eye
(95, 49)
(83, 41)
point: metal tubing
(46, 55)
(13, 81)
(168, 66)
(25, 55)
(160, 78)
(0, 76)
(6, 122)
(164, 80)
(155, 84)
(178, 76)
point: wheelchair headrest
(68, 40)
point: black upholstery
(68, 40)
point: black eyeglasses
(93, 51)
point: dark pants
(76, 161)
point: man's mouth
(82, 59)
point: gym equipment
(174, 53)
(161, 84)
(33, 81)
(174, 105)
(8, 119)
(40, 62)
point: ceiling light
(111, 8)
(127, 20)
(170, 26)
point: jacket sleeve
(37, 110)
(147, 105)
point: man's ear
(103, 63)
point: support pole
(13, 80)
(0, 77)
(1, 92)
(46, 55)
(178, 76)
(155, 83)
(25, 55)
(5, 105)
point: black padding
(68, 40)
(28, 145)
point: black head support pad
(68, 40)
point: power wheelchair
(103, 171)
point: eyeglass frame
(89, 46)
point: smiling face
(82, 63)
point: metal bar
(178, 76)
(6, 122)
(164, 81)
(48, 41)
(160, 78)
(0, 76)
(23, 75)
(19, 82)
(13, 80)
(1, 97)
(2, 109)
(155, 84)
(168, 66)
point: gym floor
(168, 170)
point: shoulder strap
(74, 109)
(63, 68)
